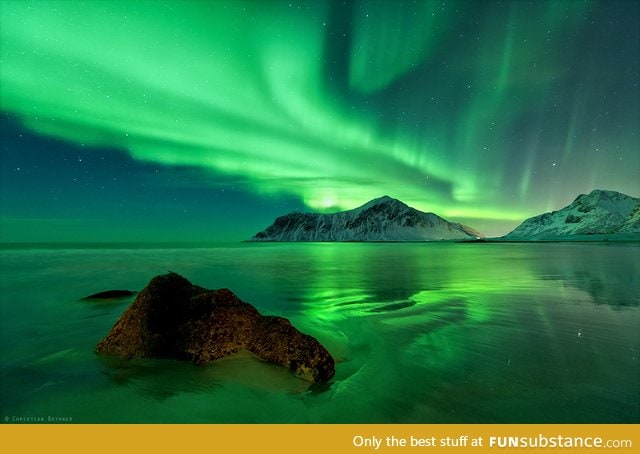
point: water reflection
(511, 327)
(164, 379)
(610, 273)
(421, 333)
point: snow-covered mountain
(600, 212)
(382, 219)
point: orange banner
(309, 439)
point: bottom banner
(318, 438)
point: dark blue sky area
(52, 190)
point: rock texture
(381, 219)
(172, 318)
(596, 213)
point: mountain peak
(603, 193)
(385, 199)
(607, 192)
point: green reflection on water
(420, 332)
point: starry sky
(204, 120)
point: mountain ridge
(381, 219)
(599, 212)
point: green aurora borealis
(483, 112)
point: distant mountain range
(381, 219)
(600, 212)
(386, 219)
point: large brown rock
(172, 318)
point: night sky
(203, 121)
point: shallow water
(422, 332)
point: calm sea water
(423, 333)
